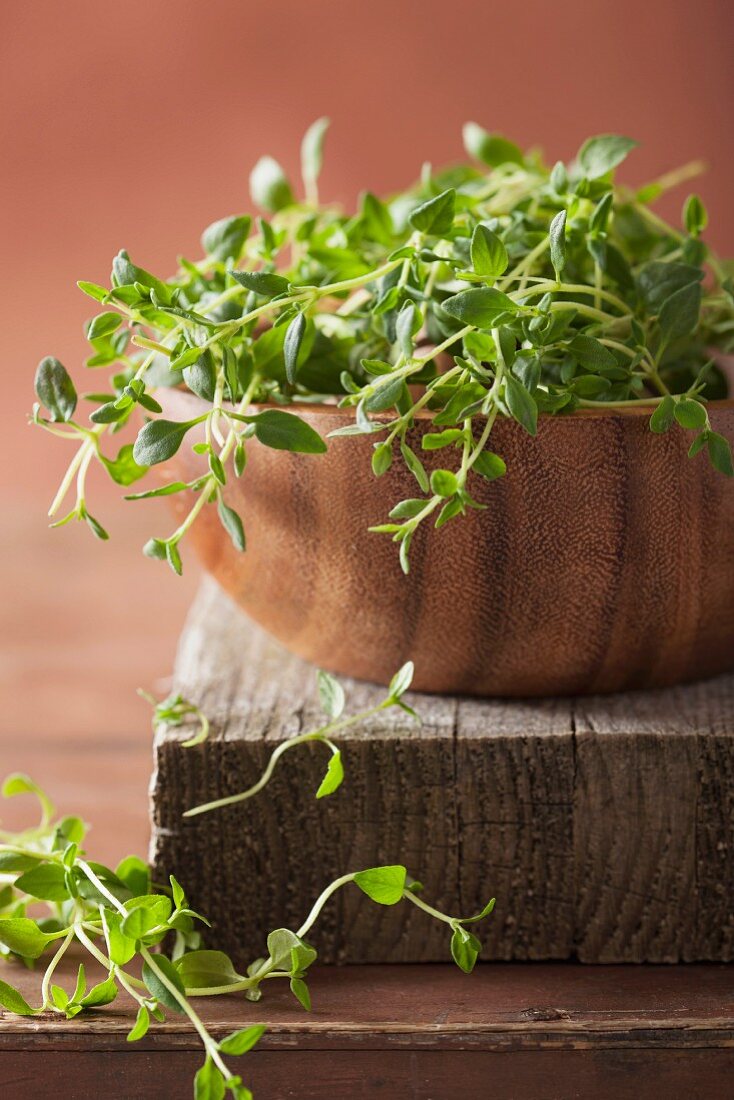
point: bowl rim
(346, 412)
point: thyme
(503, 287)
(123, 921)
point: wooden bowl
(604, 561)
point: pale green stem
(45, 984)
(321, 734)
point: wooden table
(539, 1031)
(512, 1031)
(521, 1031)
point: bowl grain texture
(604, 560)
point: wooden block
(547, 1031)
(603, 825)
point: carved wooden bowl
(604, 561)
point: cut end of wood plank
(603, 825)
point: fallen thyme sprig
(118, 916)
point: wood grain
(540, 1032)
(603, 825)
(604, 560)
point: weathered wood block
(604, 825)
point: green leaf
(141, 1025)
(385, 395)
(334, 776)
(201, 377)
(299, 989)
(481, 914)
(679, 315)
(122, 947)
(489, 465)
(559, 178)
(590, 353)
(600, 218)
(377, 219)
(381, 459)
(206, 969)
(161, 491)
(55, 389)
(302, 955)
(269, 186)
(481, 306)
(18, 783)
(224, 239)
(12, 861)
(601, 154)
(331, 694)
(660, 279)
(232, 524)
(436, 215)
(173, 557)
(185, 359)
(465, 948)
(719, 451)
(104, 324)
(125, 273)
(14, 1001)
(414, 464)
(123, 469)
(135, 873)
(690, 414)
(208, 1082)
(94, 290)
(312, 154)
(434, 441)
(385, 885)
(285, 432)
(94, 525)
(281, 942)
(695, 216)
(158, 440)
(292, 345)
(407, 509)
(444, 483)
(103, 993)
(265, 283)
(179, 897)
(408, 323)
(492, 149)
(521, 404)
(47, 881)
(239, 1042)
(23, 936)
(144, 914)
(557, 233)
(401, 681)
(156, 986)
(488, 253)
(662, 419)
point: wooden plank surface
(534, 1031)
(603, 825)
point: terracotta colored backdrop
(134, 124)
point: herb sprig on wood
(503, 287)
(122, 921)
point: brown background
(135, 124)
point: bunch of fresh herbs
(124, 921)
(503, 287)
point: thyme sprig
(123, 921)
(501, 288)
(333, 700)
